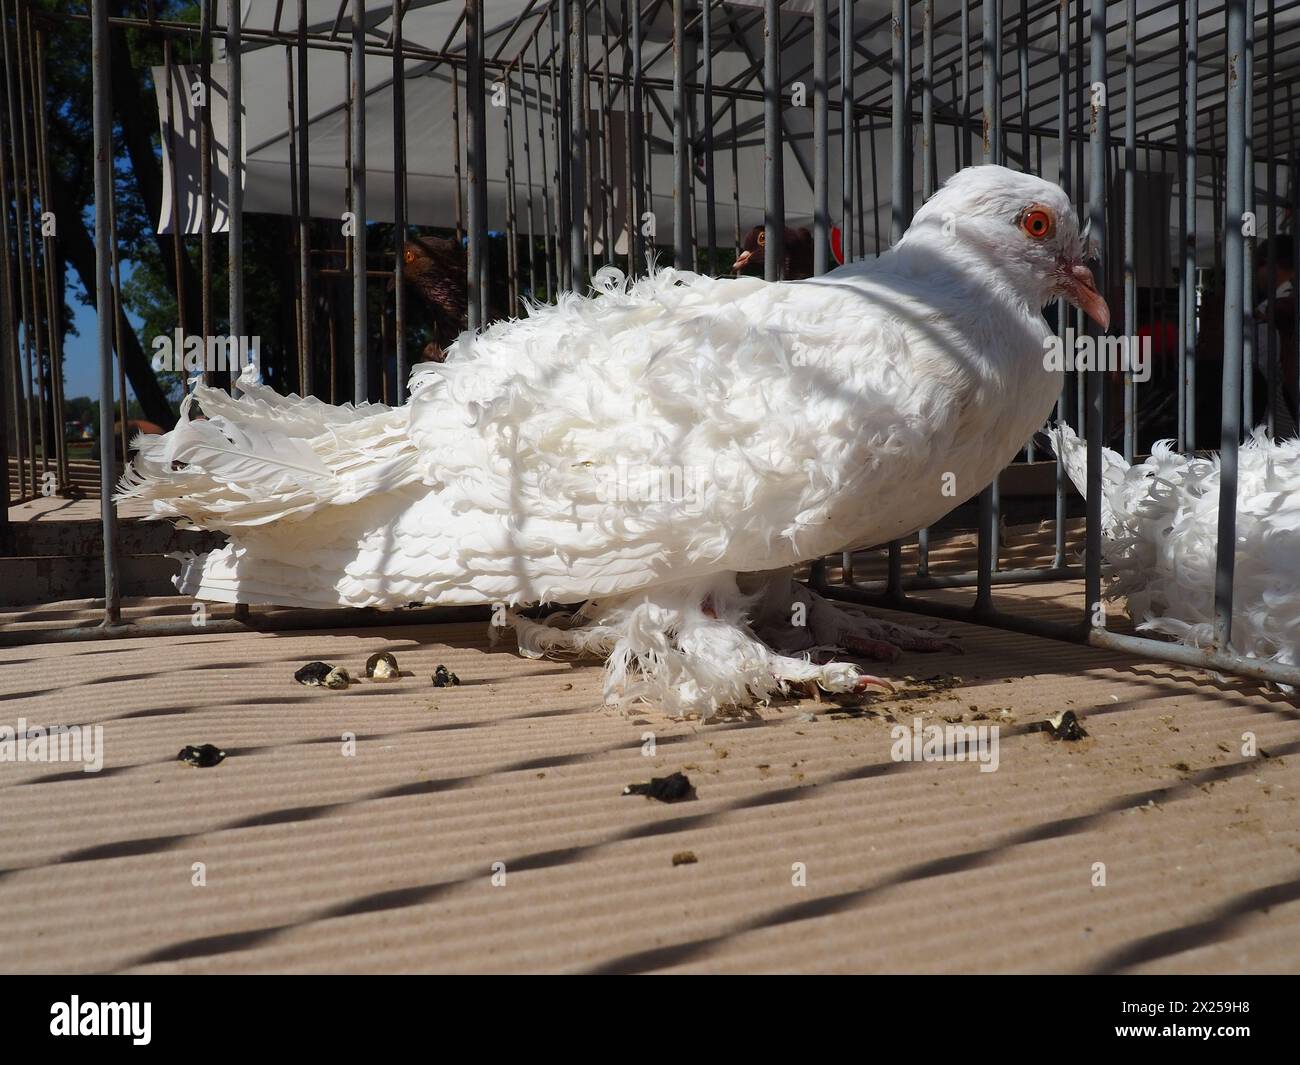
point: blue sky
(80, 353)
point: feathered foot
(685, 647)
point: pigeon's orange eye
(409, 256)
(1037, 223)
(762, 237)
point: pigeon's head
(1013, 227)
(435, 268)
(753, 252)
(798, 248)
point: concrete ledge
(87, 538)
(27, 579)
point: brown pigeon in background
(435, 269)
(798, 253)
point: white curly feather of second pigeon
(1160, 541)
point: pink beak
(1080, 288)
(742, 260)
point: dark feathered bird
(798, 253)
(435, 268)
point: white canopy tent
(430, 135)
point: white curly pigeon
(1160, 535)
(635, 450)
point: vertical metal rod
(636, 131)
(293, 222)
(606, 142)
(399, 203)
(210, 376)
(1063, 401)
(691, 62)
(859, 210)
(235, 155)
(1248, 238)
(990, 58)
(561, 95)
(847, 129)
(102, 104)
(991, 71)
(1130, 222)
(1080, 96)
(306, 369)
(582, 91)
(1217, 192)
(331, 330)
(512, 230)
(332, 376)
(710, 190)
(1062, 100)
(1022, 72)
(649, 156)
(773, 161)
(994, 525)
(681, 165)
(1022, 85)
(928, 166)
(480, 143)
(735, 178)
(360, 317)
(383, 359)
(474, 102)
(875, 183)
(900, 188)
(528, 178)
(25, 391)
(456, 153)
(900, 124)
(22, 445)
(549, 251)
(1270, 152)
(1235, 117)
(821, 140)
(578, 102)
(954, 95)
(1096, 420)
(50, 260)
(1187, 429)
(1180, 140)
(626, 192)
(1295, 213)
(33, 315)
(929, 173)
(966, 153)
(8, 357)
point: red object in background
(138, 425)
(1164, 338)
(837, 244)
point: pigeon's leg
(870, 637)
(790, 616)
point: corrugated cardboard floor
(322, 862)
